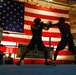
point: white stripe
(35, 11)
(18, 36)
(8, 43)
(54, 30)
(52, 39)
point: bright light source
(8, 43)
(8, 55)
(50, 0)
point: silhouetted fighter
(66, 38)
(36, 29)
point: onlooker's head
(10, 54)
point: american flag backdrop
(18, 17)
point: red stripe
(50, 43)
(15, 50)
(46, 9)
(49, 34)
(43, 16)
(14, 39)
(27, 22)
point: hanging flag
(30, 13)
